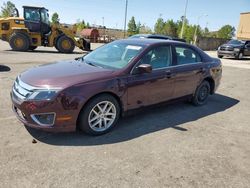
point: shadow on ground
(4, 68)
(139, 124)
(46, 51)
(242, 59)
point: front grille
(226, 48)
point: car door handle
(169, 74)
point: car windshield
(237, 42)
(115, 55)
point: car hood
(63, 74)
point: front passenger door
(155, 87)
(247, 48)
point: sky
(219, 12)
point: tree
(226, 32)
(55, 18)
(132, 27)
(80, 25)
(159, 26)
(8, 9)
(87, 25)
(145, 29)
(170, 28)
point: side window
(159, 57)
(186, 56)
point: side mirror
(144, 68)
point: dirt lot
(176, 145)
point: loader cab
(36, 19)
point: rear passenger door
(188, 70)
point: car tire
(220, 56)
(201, 94)
(19, 42)
(65, 44)
(99, 115)
(239, 56)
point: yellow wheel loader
(34, 30)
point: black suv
(156, 36)
(234, 48)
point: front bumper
(227, 53)
(64, 120)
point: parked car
(93, 91)
(155, 36)
(234, 48)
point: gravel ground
(175, 145)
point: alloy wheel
(102, 116)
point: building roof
(90, 32)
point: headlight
(219, 48)
(43, 94)
(236, 49)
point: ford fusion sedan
(94, 91)
(234, 48)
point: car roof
(150, 36)
(147, 41)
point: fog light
(46, 119)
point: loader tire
(19, 42)
(65, 44)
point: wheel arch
(211, 82)
(97, 95)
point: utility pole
(125, 19)
(195, 33)
(184, 19)
(104, 29)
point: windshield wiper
(92, 64)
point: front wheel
(220, 56)
(239, 56)
(100, 115)
(201, 94)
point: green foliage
(8, 9)
(80, 25)
(170, 28)
(173, 29)
(87, 25)
(132, 27)
(226, 32)
(159, 26)
(55, 18)
(145, 29)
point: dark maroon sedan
(92, 92)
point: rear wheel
(99, 115)
(19, 42)
(201, 94)
(65, 44)
(220, 56)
